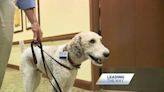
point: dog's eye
(92, 41)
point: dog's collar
(70, 60)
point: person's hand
(37, 31)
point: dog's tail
(22, 46)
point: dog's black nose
(106, 54)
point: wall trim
(51, 38)
(87, 85)
(78, 82)
(16, 67)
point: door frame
(94, 26)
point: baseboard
(83, 84)
(13, 66)
(78, 82)
(51, 38)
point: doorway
(133, 31)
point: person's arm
(28, 7)
(34, 23)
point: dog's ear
(78, 40)
(76, 46)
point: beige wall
(58, 17)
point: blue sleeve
(25, 4)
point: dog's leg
(69, 85)
(61, 79)
(31, 80)
(31, 77)
(56, 87)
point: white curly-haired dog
(83, 46)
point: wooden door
(118, 31)
(134, 32)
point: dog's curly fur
(83, 46)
